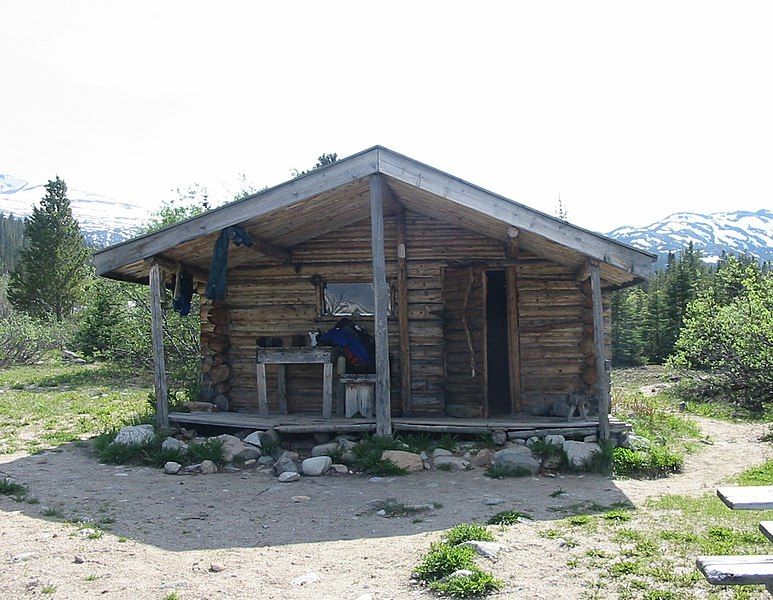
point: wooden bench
(358, 397)
(759, 497)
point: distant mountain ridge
(739, 231)
(103, 220)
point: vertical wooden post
(513, 339)
(262, 391)
(402, 314)
(598, 344)
(381, 300)
(157, 337)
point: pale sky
(629, 111)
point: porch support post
(402, 314)
(157, 337)
(381, 301)
(598, 344)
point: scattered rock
(216, 568)
(634, 442)
(590, 439)
(248, 453)
(580, 454)
(300, 498)
(405, 460)
(440, 452)
(516, 458)
(499, 436)
(555, 440)
(172, 468)
(78, 559)
(23, 557)
(249, 462)
(270, 437)
(288, 477)
(231, 446)
(310, 577)
(200, 407)
(316, 466)
(381, 513)
(520, 441)
(134, 435)
(483, 458)
(175, 445)
(485, 549)
(340, 469)
(266, 460)
(291, 455)
(459, 573)
(324, 449)
(532, 440)
(285, 465)
(454, 462)
(493, 501)
(551, 462)
(345, 442)
(207, 467)
(253, 438)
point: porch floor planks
(313, 422)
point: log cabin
(484, 312)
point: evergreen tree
(11, 242)
(52, 271)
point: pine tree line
(11, 242)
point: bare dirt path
(165, 532)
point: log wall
(280, 301)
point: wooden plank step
(737, 570)
(766, 527)
(759, 497)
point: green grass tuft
(367, 455)
(478, 584)
(508, 517)
(498, 472)
(465, 532)
(443, 559)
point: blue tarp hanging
(216, 284)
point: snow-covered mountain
(102, 219)
(740, 231)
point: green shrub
(479, 583)
(657, 461)
(11, 488)
(443, 559)
(212, 450)
(465, 532)
(418, 442)
(25, 340)
(498, 472)
(508, 517)
(367, 455)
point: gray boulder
(405, 460)
(173, 444)
(253, 438)
(441, 452)
(316, 466)
(172, 468)
(325, 449)
(454, 463)
(207, 467)
(555, 440)
(517, 458)
(499, 437)
(485, 549)
(284, 465)
(634, 442)
(268, 438)
(580, 454)
(248, 453)
(134, 435)
(231, 446)
(288, 477)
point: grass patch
(508, 517)
(442, 560)
(761, 475)
(394, 508)
(152, 454)
(11, 488)
(657, 461)
(465, 532)
(477, 584)
(367, 456)
(499, 472)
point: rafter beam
(271, 250)
(171, 266)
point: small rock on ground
(404, 460)
(172, 468)
(310, 577)
(288, 477)
(485, 549)
(316, 466)
(207, 467)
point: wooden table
(758, 497)
(287, 356)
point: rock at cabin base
(175, 445)
(231, 446)
(454, 462)
(340, 469)
(405, 460)
(555, 440)
(439, 452)
(288, 477)
(483, 458)
(172, 468)
(134, 435)
(499, 437)
(253, 438)
(207, 467)
(248, 453)
(324, 449)
(580, 454)
(285, 465)
(515, 459)
(316, 466)
(269, 437)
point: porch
(520, 427)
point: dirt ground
(165, 532)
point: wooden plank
(737, 570)
(171, 266)
(598, 343)
(309, 355)
(766, 527)
(262, 391)
(327, 391)
(268, 249)
(273, 199)
(402, 313)
(157, 336)
(381, 301)
(281, 383)
(513, 338)
(757, 497)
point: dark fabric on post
(183, 292)
(216, 284)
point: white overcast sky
(630, 111)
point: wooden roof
(335, 196)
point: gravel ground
(165, 533)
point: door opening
(497, 350)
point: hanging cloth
(183, 291)
(216, 285)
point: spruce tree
(50, 276)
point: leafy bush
(368, 453)
(24, 340)
(498, 472)
(657, 461)
(477, 584)
(465, 532)
(443, 559)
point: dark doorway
(497, 351)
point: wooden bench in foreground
(738, 570)
(758, 497)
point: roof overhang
(285, 213)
